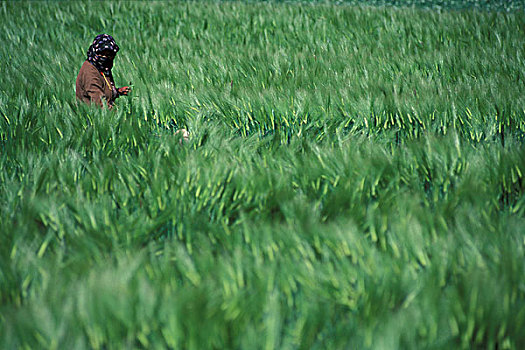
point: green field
(354, 177)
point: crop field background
(354, 177)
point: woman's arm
(95, 91)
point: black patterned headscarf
(102, 42)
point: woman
(94, 81)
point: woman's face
(107, 54)
(105, 59)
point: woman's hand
(124, 90)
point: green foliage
(354, 177)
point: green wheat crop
(354, 176)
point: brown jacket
(92, 86)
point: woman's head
(102, 52)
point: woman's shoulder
(88, 67)
(88, 70)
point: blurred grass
(353, 179)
